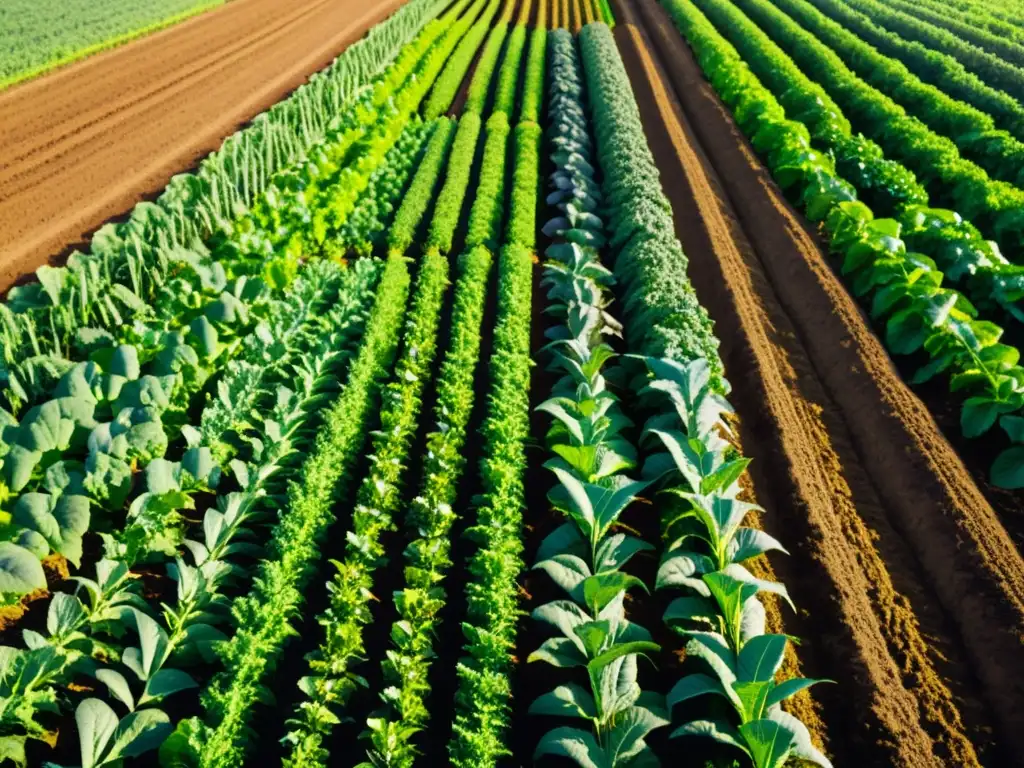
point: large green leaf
(768, 743)
(61, 520)
(20, 570)
(626, 740)
(579, 746)
(565, 701)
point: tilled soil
(911, 594)
(85, 143)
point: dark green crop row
(941, 69)
(918, 313)
(508, 76)
(448, 209)
(994, 206)
(522, 222)
(458, 64)
(264, 616)
(332, 681)
(482, 701)
(533, 79)
(483, 695)
(701, 519)
(661, 308)
(488, 204)
(480, 86)
(423, 189)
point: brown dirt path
(83, 144)
(913, 586)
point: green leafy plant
(331, 680)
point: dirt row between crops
(84, 144)
(911, 594)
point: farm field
(557, 382)
(37, 37)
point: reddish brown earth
(85, 143)
(911, 593)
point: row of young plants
(449, 203)
(392, 728)
(593, 643)
(1006, 47)
(952, 246)
(998, 152)
(689, 463)
(459, 62)
(994, 206)
(1001, 100)
(483, 688)
(365, 230)
(978, 18)
(263, 617)
(697, 475)
(331, 682)
(919, 314)
(307, 208)
(250, 432)
(330, 686)
(480, 88)
(423, 189)
(112, 284)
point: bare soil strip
(911, 587)
(85, 143)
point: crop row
(459, 62)
(905, 288)
(482, 699)
(954, 246)
(941, 69)
(1007, 45)
(689, 463)
(993, 206)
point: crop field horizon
(610, 383)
